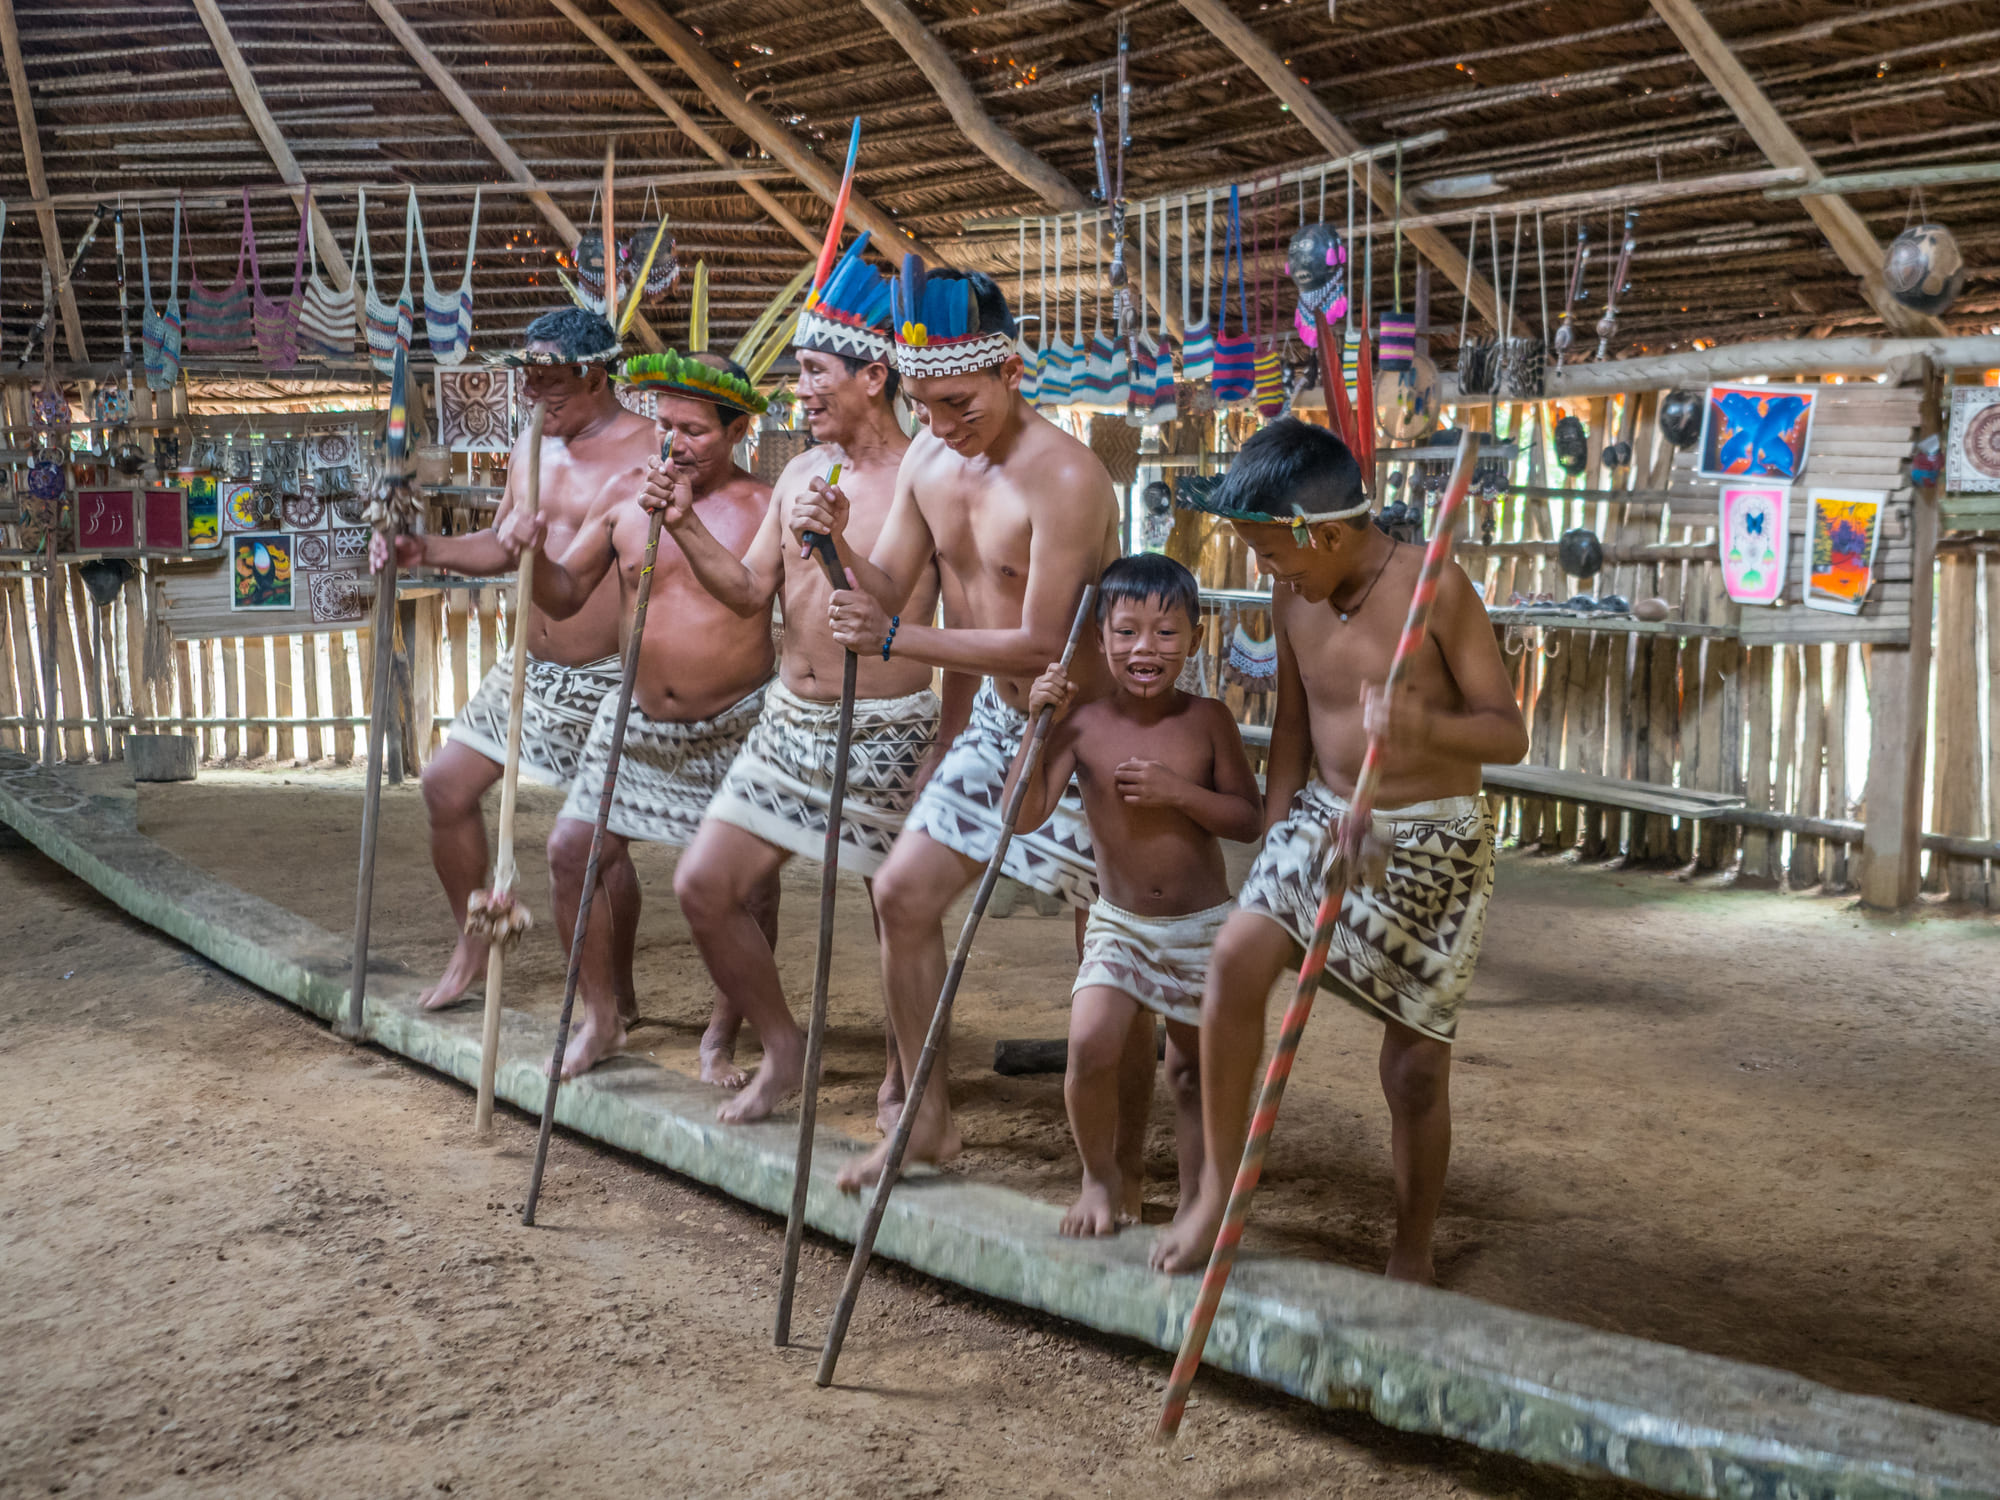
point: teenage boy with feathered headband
(1020, 516)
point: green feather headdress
(677, 374)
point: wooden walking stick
(613, 756)
(795, 1221)
(864, 1244)
(394, 510)
(1341, 868)
(496, 914)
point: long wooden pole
(371, 796)
(38, 181)
(504, 873)
(1341, 870)
(613, 756)
(899, 1143)
(795, 1220)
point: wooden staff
(1341, 869)
(391, 508)
(495, 914)
(864, 1244)
(613, 756)
(795, 1222)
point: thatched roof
(1547, 95)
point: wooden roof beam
(1844, 229)
(980, 128)
(275, 146)
(1235, 33)
(713, 79)
(496, 144)
(685, 123)
(38, 181)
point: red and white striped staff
(1339, 874)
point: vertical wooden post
(257, 738)
(1990, 629)
(74, 707)
(184, 680)
(424, 678)
(233, 742)
(1788, 735)
(10, 706)
(284, 742)
(340, 667)
(84, 636)
(457, 603)
(1812, 752)
(1899, 680)
(1955, 762)
(312, 742)
(1833, 859)
(19, 591)
(1758, 867)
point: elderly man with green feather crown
(776, 799)
(1018, 517)
(703, 665)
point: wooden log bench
(1607, 791)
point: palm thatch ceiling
(1547, 96)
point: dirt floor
(243, 1258)
(1753, 1124)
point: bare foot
(889, 1104)
(718, 1055)
(1414, 1267)
(465, 971)
(1185, 1244)
(1131, 1197)
(589, 1045)
(628, 1007)
(777, 1079)
(1094, 1213)
(857, 1175)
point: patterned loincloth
(668, 773)
(556, 714)
(1405, 949)
(781, 785)
(1162, 962)
(960, 808)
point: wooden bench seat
(1606, 791)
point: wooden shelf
(1606, 791)
(1612, 624)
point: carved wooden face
(1317, 259)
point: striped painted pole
(1347, 848)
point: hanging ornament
(1580, 553)
(1572, 445)
(1680, 417)
(1925, 270)
(1316, 260)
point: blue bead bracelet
(890, 639)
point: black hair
(994, 314)
(1292, 468)
(572, 330)
(856, 364)
(1149, 575)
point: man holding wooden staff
(1020, 516)
(591, 447)
(702, 665)
(776, 799)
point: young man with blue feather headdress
(1019, 516)
(775, 801)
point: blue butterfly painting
(1756, 432)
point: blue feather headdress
(938, 328)
(849, 315)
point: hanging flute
(1608, 324)
(1566, 335)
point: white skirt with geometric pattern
(960, 808)
(557, 709)
(1404, 949)
(782, 783)
(667, 774)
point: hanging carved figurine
(1608, 324)
(1566, 335)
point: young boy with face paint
(1406, 942)
(1164, 779)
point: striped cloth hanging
(220, 322)
(448, 315)
(327, 321)
(388, 327)
(160, 332)
(276, 324)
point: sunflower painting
(260, 567)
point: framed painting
(163, 521)
(105, 522)
(260, 570)
(1755, 531)
(1972, 457)
(1756, 431)
(204, 513)
(1840, 547)
(476, 410)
